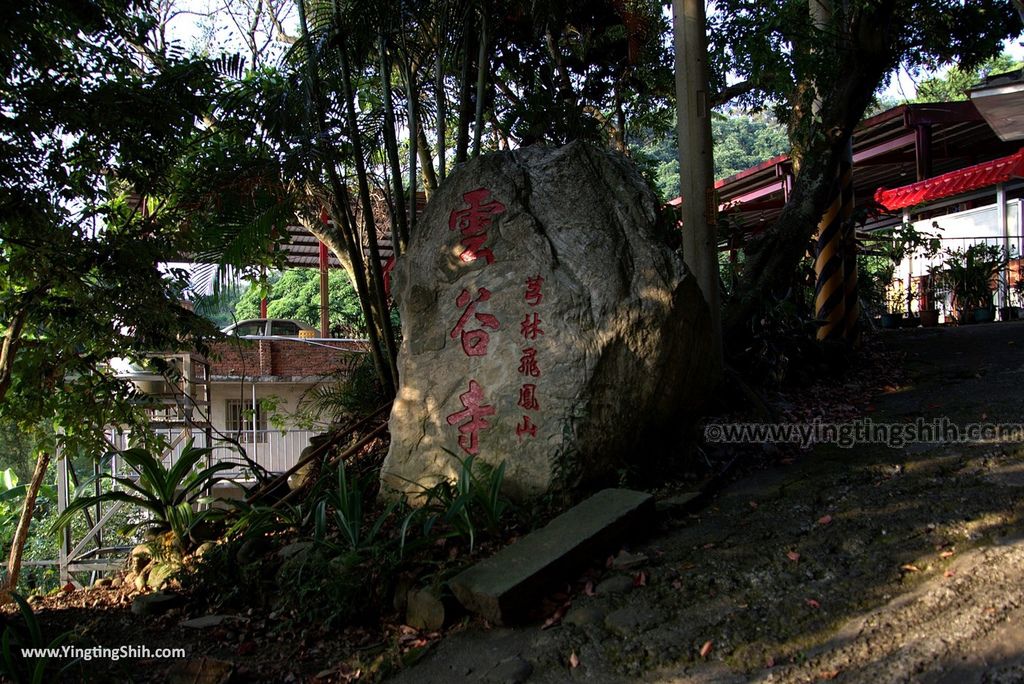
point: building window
(240, 421)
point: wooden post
(696, 171)
(325, 323)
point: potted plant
(1016, 293)
(895, 300)
(969, 274)
(932, 281)
(893, 246)
(910, 318)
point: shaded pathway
(867, 564)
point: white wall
(288, 393)
(960, 231)
(275, 450)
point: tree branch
(731, 92)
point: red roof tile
(953, 183)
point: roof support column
(1004, 226)
(325, 324)
(851, 313)
(923, 150)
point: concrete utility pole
(696, 168)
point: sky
(904, 86)
(187, 29)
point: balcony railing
(275, 450)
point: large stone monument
(544, 325)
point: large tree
(95, 121)
(295, 294)
(319, 134)
(820, 74)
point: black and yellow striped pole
(830, 290)
(851, 313)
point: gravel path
(870, 564)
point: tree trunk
(399, 225)
(340, 196)
(465, 106)
(374, 273)
(21, 534)
(772, 258)
(818, 140)
(442, 113)
(9, 346)
(481, 81)
(426, 161)
(412, 99)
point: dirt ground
(865, 564)
(869, 564)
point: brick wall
(281, 358)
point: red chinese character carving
(471, 418)
(474, 342)
(526, 427)
(528, 363)
(528, 397)
(530, 327)
(533, 294)
(473, 223)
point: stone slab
(156, 603)
(504, 586)
(205, 621)
(679, 504)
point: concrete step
(505, 586)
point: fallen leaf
(949, 573)
(705, 649)
(946, 554)
(556, 617)
(709, 545)
(910, 567)
(829, 674)
(753, 504)
(793, 556)
(825, 520)
(574, 660)
(640, 579)
(769, 662)
(588, 588)
(812, 603)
